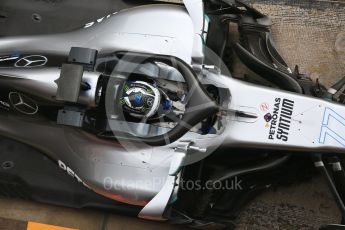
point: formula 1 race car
(138, 113)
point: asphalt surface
(308, 33)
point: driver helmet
(140, 99)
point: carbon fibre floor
(308, 33)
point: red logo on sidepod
(264, 107)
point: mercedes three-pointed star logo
(23, 103)
(31, 61)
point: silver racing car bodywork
(135, 172)
(124, 30)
